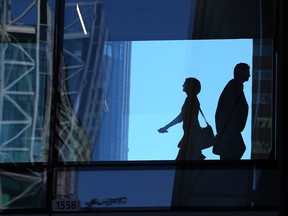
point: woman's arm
(177, 120)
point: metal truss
(20, 86)
(17, 68)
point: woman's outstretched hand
(163, 130)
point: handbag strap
(203, 116)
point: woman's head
(192, 86)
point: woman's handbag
(206, 135)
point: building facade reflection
(93, 89)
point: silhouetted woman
(189, 148)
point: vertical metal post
(281, 128)
(56, 91)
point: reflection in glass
(170, 187)
(22, 190)
(94, 89)
(124, 188)
(25, 62)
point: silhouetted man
(231, 116)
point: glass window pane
(26, 80)
(116, 94)
(170, 186)
(23, 189)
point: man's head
(242, 72)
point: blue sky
(158, 71)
